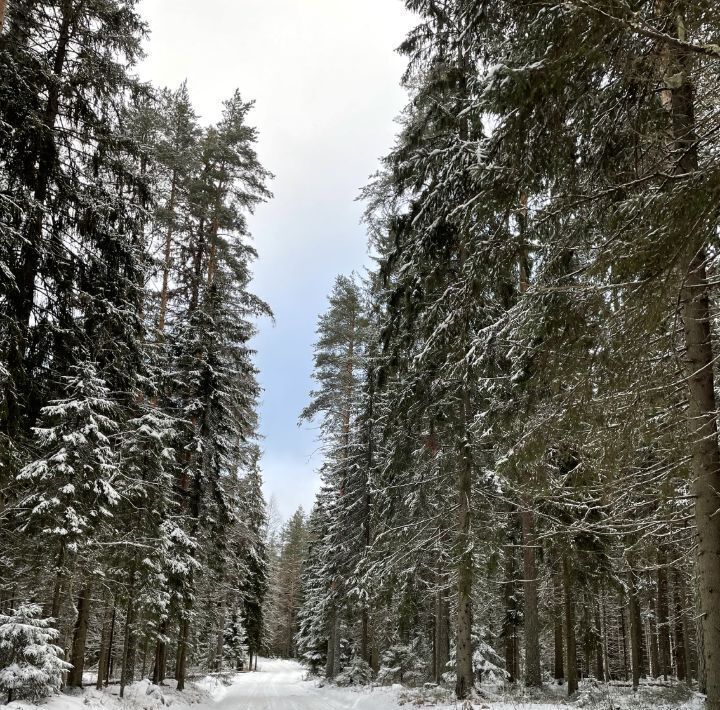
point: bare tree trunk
(533, 677)
(442, 634)
(167, 257)
(559, 668)
(572, 679)
(104, 657)
(511, 614)
(365, 634)
(127, 672)
(636, 649)
(182, 652)
(77, 655)
(623, 634)
(663, 627)
(699, 362)
(652, 641)
(463, 638)
(332, 634)
(599, 646)
(111, 655)
(2, 15)
(160, 654)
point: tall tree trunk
(127, 672)
(77, 655)
(2, 15)
(332, 633)
(442, 633)
(108, 617)
(167, 256)
(652, 641)
(336, 652)
(511, 614)
(463, 637)
(559, 667)
(182, 653)
(160, 654)
(599, 646)
(111, 653)
(636, 632)
(663, 627)
(365, 634)
(533, 676)
(699, 362)
(572, 678)
(623, 635)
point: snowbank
(142, 695)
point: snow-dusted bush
(357, 672)
(487, 664)
(400, 664)
(31, 666)
(314, 661)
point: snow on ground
(282, 685)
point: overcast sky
(325, 78)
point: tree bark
(183, 642)
(332, 633)
(663, 627)
(160, 654)
(77, 655)
(442, 633)
(572, 679)
(636, 632)
(699, 363)
(559, 667)
(127, 672)
(167, 257)
(108, 617)
(512, 662)
(463, 639)
(533, 676)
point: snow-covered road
(279, 685)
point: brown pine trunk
(2, 14)
(699, 363)
(572, 678)
(533, 677)
(77, 655)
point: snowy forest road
(279, 685)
